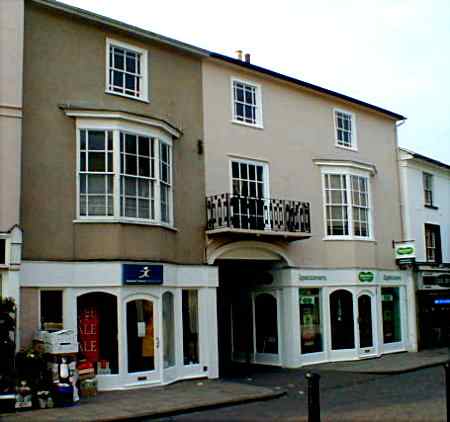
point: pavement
(151, 402)
(402, 386)
(395, 363)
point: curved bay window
(124, 176)
(311, 321)
(97, 331)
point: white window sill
(254, 126)
(130, 97)
(354, 149)
(350, 238)
(123, 221)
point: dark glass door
(341, 318)
(365, 321)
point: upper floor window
(433, 243)
(428, 189)
(347, 206)
(345, 129)
(126, 72)
(124, 176)
(246, 103)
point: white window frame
(143, 94)
(117, 127)
(348, 172)
(354, 139)
(263, 164)
(258, 97)
(426, 175)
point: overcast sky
(391, 53)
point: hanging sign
(142, 274)
(366, 276)
(405, 252)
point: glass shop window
(190, 327)
(390, 299)
(51, 310)
(310, 321)
(168, 329)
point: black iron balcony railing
(241, 212)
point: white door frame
(267, 358)
(137, 379)
(372, 293)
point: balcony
(257, 217)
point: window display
(310, 321)
(266, 324)
(190, 327)
(97, 331)
(51, 310)
(390, 299)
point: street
(412, 396)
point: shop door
(265, 317)
(342, 324)
(168, 337)
(367, 323)
(141, 327)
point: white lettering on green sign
(366, 276)
(387, 298)
(307, 300)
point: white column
(411, 312)
(290, 327)
(208, 331)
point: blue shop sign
(442, 301)
(142, 274)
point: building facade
(11, 65)
(303, 208)
(426, 218)
(113, 197)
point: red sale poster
(88, 326)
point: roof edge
(113, 23)
(304, 84)
(429, 160)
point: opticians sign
(366, 276)
(405, 252)
(142, 274)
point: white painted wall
(415, 214)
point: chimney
(239, 54)
(247, 57)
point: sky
(391, 53)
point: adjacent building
(425, 205)
(11, 65)
(113, 197)
(303, 207)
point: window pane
(117, 79)
(130, 144)
(168, 329)
(82, 139)
(131, 62)
(96, 161)
(118, 58)
(130, 207)
(96, 140)
(390, 299)
(144, 166)
(190, 327)
(130, 164)
(310, 321)
(83, 205)
(51, 310)
(96, 184)
(97, 205)
(239, 111)
(144, 146)
(129, 82)
(82, 161)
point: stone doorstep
(223, 394)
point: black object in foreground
(313, 397)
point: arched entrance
(341, 320)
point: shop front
(304, 317)
(142, 324)
(433, 299)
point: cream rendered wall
(298, 128)
(11, 65)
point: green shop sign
(405, 250)
(366, 276)
(312, 277)
(307, 300)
